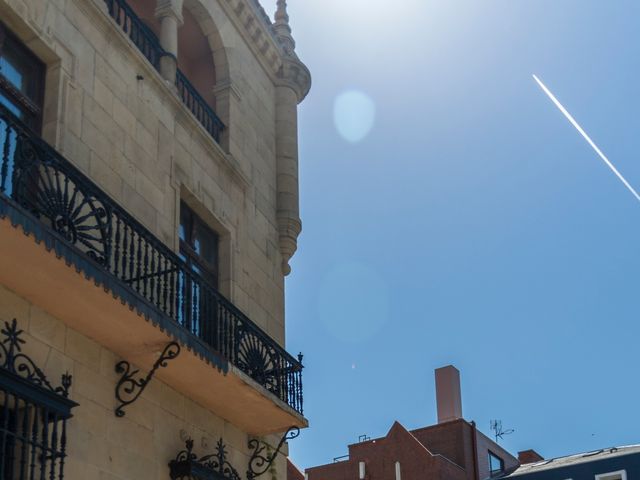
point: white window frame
(618, 475)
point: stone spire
(282, 29)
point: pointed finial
(281, 13)
(282, 29)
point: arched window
(195, 58)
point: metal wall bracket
(210, 467)
(129, 388)
(261, 461)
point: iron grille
(33, 415)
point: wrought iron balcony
(50, 190)
(147, 42)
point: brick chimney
(529, 456)
(448, 396)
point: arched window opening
(195, 58)
(195, 76)
(145, 10)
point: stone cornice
(257, 30)
(251, 24)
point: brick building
(453, 449)
(148, 212)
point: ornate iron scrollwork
(129, 388)
(63, 201)
(187, 465)
(13, 360)
(261, 461)
(259, 359)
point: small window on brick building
(21, 80)
(496, 464)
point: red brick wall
(381, 455)
(292, 472)
(484, 445)
(439, 452)
(452, 440)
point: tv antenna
(499, 432)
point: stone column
(169, 14)
(289, 224)
(294, 84)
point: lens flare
(354, 114)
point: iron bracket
(260, 462)
(129, 389)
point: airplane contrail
(586, 137)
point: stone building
(148, 212)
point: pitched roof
(577, 458)
(293, 472)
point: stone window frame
(59, 67)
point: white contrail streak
(586, 137)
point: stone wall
(154, 429)
(111, 113)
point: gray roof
(570, 460)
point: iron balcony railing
(38, 179)
(147, 42)
(198, 106)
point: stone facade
(121, 123)
(141, 444)
(115, 117)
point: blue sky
(472, 225)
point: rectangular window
(198, 245)
(21, 80)
(199, 249)
(496, 464)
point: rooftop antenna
(363, 438)
(499, 432)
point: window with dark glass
(21, 80)
(496, 464)
(198, 245)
